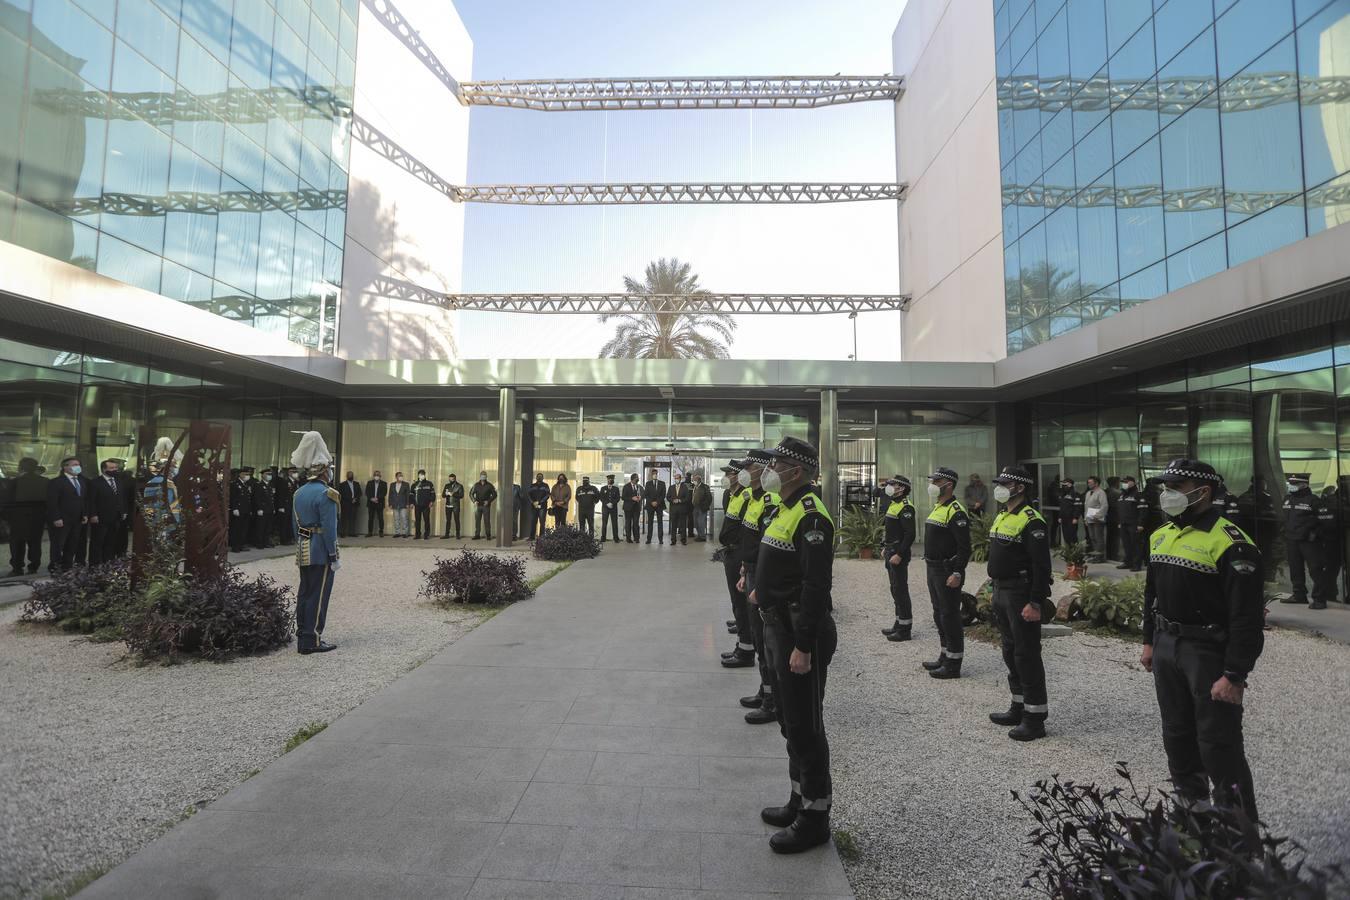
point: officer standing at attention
(895, 550)
(264, 510)
(679, 497)
(316, 552)
(1070, 511)
(654, 501)
(632, 510)
(423, 498)
(283, 489)
(759, 510)
(483, 494)
(241, 507)
(1203, 618)
(946, 550)
(1019, 566)
(793, 577)
(587, 496)
(609, 509)
(1131, 511)
(1308, 519)
(453, 494)
(538, 495)
(729, 537)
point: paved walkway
(583, 744)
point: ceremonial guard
(264, 511)
(946, 550)
(1019, 567)
(241, 507)
(743, 655)
(895, 550)
(759, 510)
(453, 495)
(538, 495)
(654, 501)
(284, 484)
(316, 552)
(483, 494)
(1308, 521)
(1203, 619)
(632, 510)
(793, 578)
(609, 508)
(587, 496)
(423, 497)
(1131, 511)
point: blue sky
(835, 248)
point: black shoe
(1295, 600)
(32, 570)
(901, 633)
(1031, 728)
(937, 663)
(731, 623)
(951, 668)
(15, 573)
(1012, 717)
(1318, 604)
(811, 829)
(323, 647)
(762, 716)
(731, 653)
(754, 701)
(649, 540)
(700, 540)
(445, 537)
(684, 543)
(890, 631)
(732, 629)
(782, 816)
(741, 659)
(1122, 566)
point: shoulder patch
(907, 513)
(815, 537)
(1243, 566)
(1235, 533)
(809, 501)
(960, 521)
(1039, 534)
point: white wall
(946, 149)
(398, 227)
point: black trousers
(422, 521)
(740, 607)
(801, 700)
(899, 579)
(609, 515)
(1314, 556)
(766, 679)
(679, 524)
(538, 520)
(374, 522)
(1132, 542)
(586, 521)
(946, 611)
(65, 545)
(452, 515)
(1069, 531)
(25, 535)
(1021, 647)
(311, 604)
(104, 539)
(238, 532)
(559, 518)
(482, 518)
(260, 531)
(659, 517)
(1202, 736)
(632, 524)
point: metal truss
(392, 19)
(675, 304)
(1172, 95)
(390, 149)
(193, 202)
(725, 192)
(1176, 200)
(556, 95)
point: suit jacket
(632, 497)
(283, 489)
(678, 495)
(376, 492)
(66, 503)
(654, 494)
(107, 502)
(350, 492)
(400, 495)
(702, 497)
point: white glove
(335, 565)
(234, 512)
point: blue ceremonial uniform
(315, 507)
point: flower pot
(1075, 572)
(865, 553)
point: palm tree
(679, 334)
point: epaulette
(809, 501)
(333, 494)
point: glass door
(1047, 471)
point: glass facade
(194, 148)
(1146, 145)
(1257, 414)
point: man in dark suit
(25, 511)
(377, 492)
(241, 507)
(350, 493)
(632, 510)
(609, 508)
(654, 501)
(520, 508)
(110, 513)
(679, 497)
(68, 506)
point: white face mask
(934, 491)
(1002, 493)
(1174, 502)
(75, 470)
(769, 480)
(482, 478)
(1294, 488)
(890, 490)
(743, 478)
(725, 482)
(245, 477)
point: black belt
(1212, 633)
(1021, 579)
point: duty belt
(1019, 580)
(1212, 633)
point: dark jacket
(400, 495)
(632, 497)
(1130, 508)
(901, 529)
(538, 493)
(483, 492)
(654, 494)
(64, 502)
(948, 545)
(587, 496)
(110, 503)
(679, 496)
(453, 492)
(376, 492)
(241, 499)
(423, 493)
(282, 492)
(702, 497)
(609, 496)
(1070, 505)
(1307, 517)
(264, 501)
(350, 493)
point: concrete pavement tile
(745, 773)
(730, 812)
(744, 863)
(493, 889)
(579, 804)
(463, 800)
(615, 738)
(568, 766)
(645, 770)
(525, 852)
(630, 857)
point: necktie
(76, 481)
(112, 483)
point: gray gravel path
(922, 777)
(98, 755)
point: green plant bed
(861, 529)
(1117, 606)
(1074, 554)
(979, 537)
(91, 600)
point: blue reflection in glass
(1201, 261)
(1178, 22)
(1192, 178)
(1269, 231)
(1262, 155)
(1248, 29)
(1087, 37)
(1139, 211)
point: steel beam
(735, 92)
(671, 304)
(654, 193)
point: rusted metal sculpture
(184, 496)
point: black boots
(1031, 728)
(1012, 717)
(951, 668)
(890, 631)
(937, 663)
(766, 712)
(732, 628)
(900, 633)
(739, 659)
(754, 700)
(810, 829)
(782, 816)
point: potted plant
(1075, 560)
(861, 532)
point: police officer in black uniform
(1019, 566)
(758, 512)
(538, 495)
(283, 489)
(609, 509)
(1133, 537)
(1070, 510)
(452, 492)
(946, 551)
(587, 496)
(1203, 618)
(632, 510)
(743, 654)
(241, 507)
(793, 578)
(1308, 520)
(423, 498)
(895, 552)
(264, 511)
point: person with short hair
(423, 499)
(25, 510)
(111, 505)
(453, 494)
(701, 505)
(68, 505)
(632, 510)
(587, 496)
(678, 496)
(538, 494)
(654, 502)
(482, 495)
(400, 499)
(377, 495)
(1094, 516)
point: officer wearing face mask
(241, 507)
(895, 550)
(730, 538)
(759, 511)
(632, 510)
(587, 496)
(1019, 566)
(1070, 511)
(946, 550)
(1131, 510)
(452, 492)
(1203, 617)
(483, 494)
(1308, 519)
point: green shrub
(861, 527)
(1074, 554)
(89, 599)
(1117, 605)
(979, 537)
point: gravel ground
(99, 755)
(922, 776)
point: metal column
(829, 450)
(506, 467)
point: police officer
(538, 495)
(609, 508)
(895, 551)
(1131, 511)
(483, 494)
(264, 511)
(1019, 566)
(452, 492)
(241, 507)
(632, 510)
(759, 510)
(793, 577)
(743, 654)
(284, 483)
(1203, 617)
(316, 522)
(946, 550)
(587, 495)
(1308, 519)
(423, 498)
(1070, 510)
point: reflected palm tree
(1045, 289)
(673, 335)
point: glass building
(1145, 145)
(194, 148)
